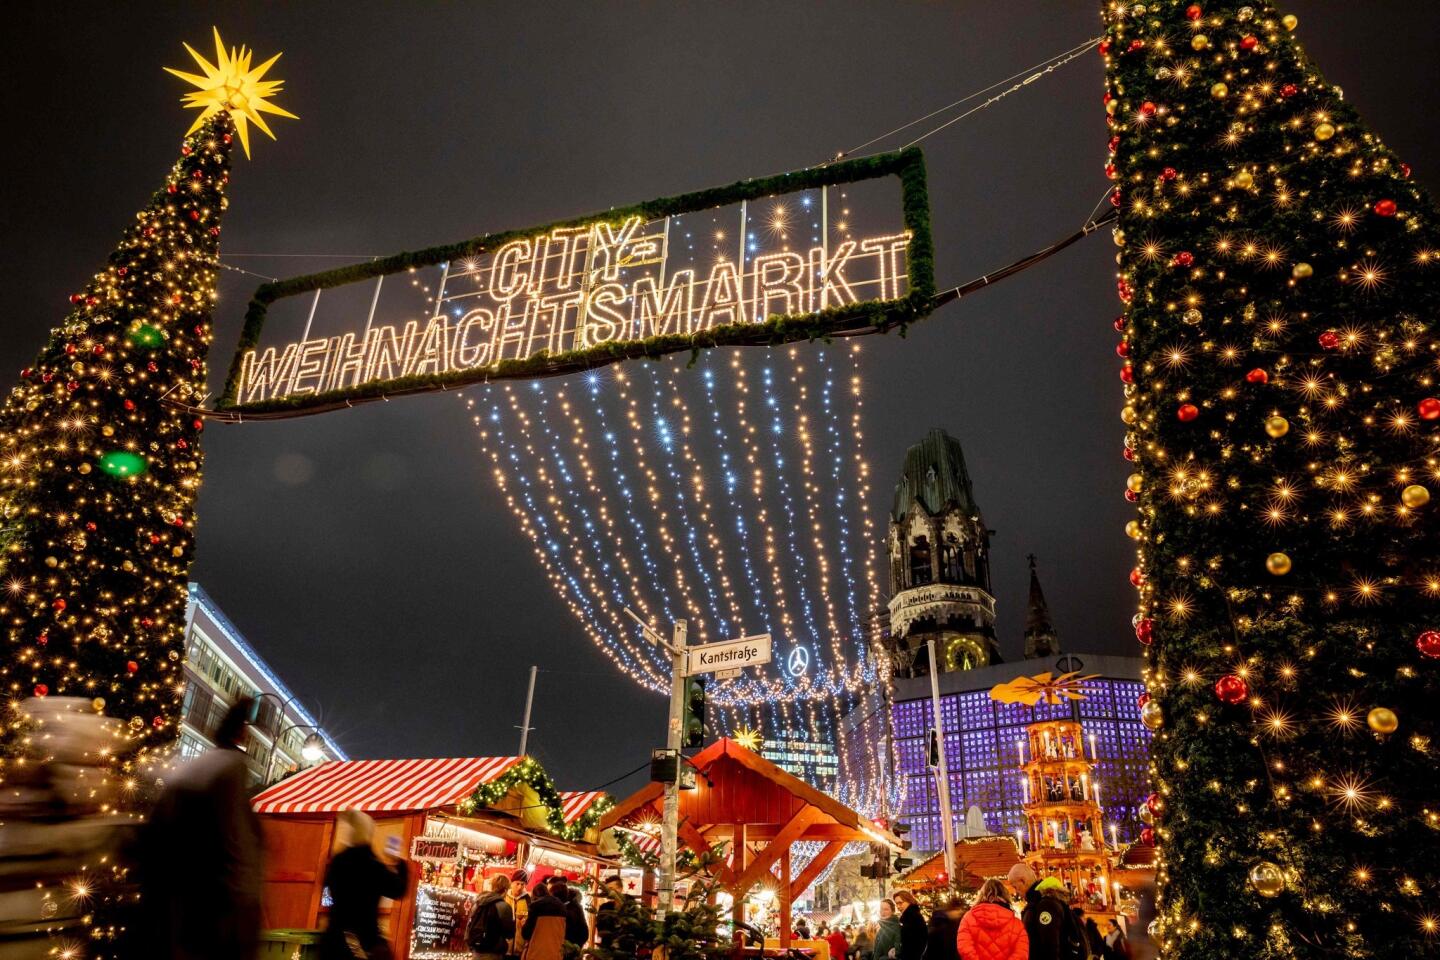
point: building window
(950, 560)
(919, 562)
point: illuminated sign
(763, 261)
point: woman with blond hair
(357, 879)
(990, 930)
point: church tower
(1040, 638)
(939, 564)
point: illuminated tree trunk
(1277, 266)
(98, 477)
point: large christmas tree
(99, 470)
(1278, 263)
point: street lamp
(313, 748)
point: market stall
(459, 821)
(760, 812)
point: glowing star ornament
(231, 85)
(749, 738)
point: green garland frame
(908, 165)
(528, 772)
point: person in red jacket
(991, 931)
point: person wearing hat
(1049, 924)
(518, 899)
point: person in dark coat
(357, 879)
(940, 943)
(1094, 940)
(543, 903)
(577, 928)
(913, 932)
(1054, 934)
(492, 923)
(201, 860)
(607, 912)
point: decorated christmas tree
(1277, 265)
(99, 470)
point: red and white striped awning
(574, 803)
(381, 786)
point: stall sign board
(435, 849)
(775, 259)
(441, 916)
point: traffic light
(932, 754)
(903, 863)
(694, 713)
(900, 828)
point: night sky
(365, 553)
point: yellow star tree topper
(231, 85)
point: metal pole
(670, 826)
(947, 825)
(525, 724)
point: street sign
(730, 654)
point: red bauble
(1128, 454)
(1289, 90)
(1122, 349)
(1104, 46)
(1429, 409)
(70, 349)
(1119, 324)
(1249, 42)
(1184, 258)
(1147, 837)
(41, 690)
(1141, 700)
(129, 404)
(1257, 376)
(1428, 643)
(194, 214)
(1193, 12)
(1115, 202)
(185, 150)
(1132, 496)
(1385, 208)
(1169, 173)
(1329, 339)
(154, 539)
(1404, 170)
(59, 604)
(1127, 374)
(153, 367)
(1136, 577)
(226, 138)
(1145, 631)
(1110, 171)
(1135, 45)
(1231, 689)
(158, 722)
(170, 188)
(1187, 412)
(1155, 803)
(131, 666)
(1147, 109)
(1113, 144)
(98, 349)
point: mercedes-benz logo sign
(798, 662)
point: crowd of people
(1046, 927)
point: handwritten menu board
(441, 916)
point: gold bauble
(1119, 237)
(1324, 131)
(108, 430)
(98, 703)
(1383, 720)
(77, 367)
(1151, 715)
(1132, 530)
(127, 565)
(1111, 106)
(1290, 21)
(1278, 563)
(1199, 42)
(51, 562)
(83, 468)
(1302, 270)
(177, 551)
(1244, 180)
(1414, 496)
(1146, 817)
(1129, 415)
(1267, 879)
(1277, 426)
(1134, 482)
(1219, 91)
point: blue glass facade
(980, 750)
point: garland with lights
(1278, 355)
(907, 165)
(529, 773)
